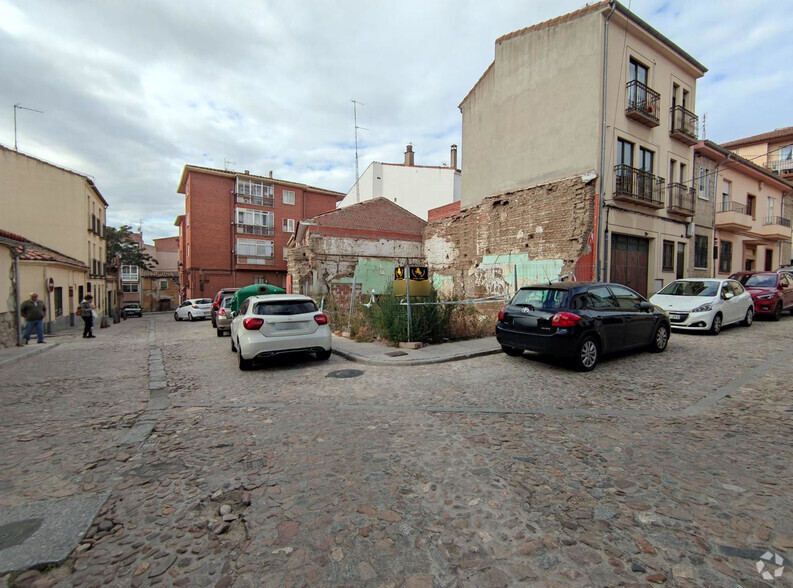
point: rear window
(204, 301)
(540, 298)
(285, 307)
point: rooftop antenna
(18, 106)
(355, 104)
(704, 125)
(140, 226)
(226, 163)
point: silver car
(223, 316)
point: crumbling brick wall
(538, 233)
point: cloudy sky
(133, 90)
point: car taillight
(195, 306)
(321, 319)
(253, 324)
(565, 319)
(222, 312)
(502, 313)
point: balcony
(731, 216)
(256, 259)
(784, 167)
(257, 200)
(255, 229)
(681, 200)
(639, 187)
(775, 227)
(642, 104)
(684, 125)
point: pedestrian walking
(87, 312)
(33, 311)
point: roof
(30, 251)
(782, 133)
(88, 179)
(602, 6)
(420, 166)
(167, 244)
(233, 174)
(711, 150)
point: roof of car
(569, 285)
(768, 273)
(279, 297)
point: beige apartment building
(64, 213)
(600, 95)
(773, 150)
(753, 206)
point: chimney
(409, 155)
(453, 158)
(247, 172)
(270, 174)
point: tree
(123, 250)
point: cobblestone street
(655, 469)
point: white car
(705, 304)
(278, 323)
(193, 309)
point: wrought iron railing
(733, 207)
(681, 197)
(777, 220)
(642, 98)
(780, 165)
(255, 229)
(639, 185)
(684, 121)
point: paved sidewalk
(378, 354)
(9, 355)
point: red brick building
(236, 226)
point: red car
(772, 292)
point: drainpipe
(16, 296)
(601, 261)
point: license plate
(675, 317)
(288, 326)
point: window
(163, 284)
(681, 260)
(726, 189)
(288, 225)
(129, 288)
(725, 256)
(129, 273)
(285, 251)
(771, 214)
(288, 196)
(786, 153)
(701, 251)
(600, 298)
(626, 299)
(257, 218)
(638, 91)
(668, 261)
(624, 152)
(703, 187)
(646, 160)
(58, 301)
(253, 192)
(672, 169)
(751, 205)
(254, 247)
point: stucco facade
(772, 150)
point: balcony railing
(642, 103)
(255, 229)
(256, 259)
(258, 200)
(641, 187)
(685, 125)
(733, 207)
(777, 220)
(781, 166)
(681, 199)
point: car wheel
(324, 354)
(660, 339)
(176, 316)
(511, 351)
(244, 364)
(778, 312)
(190, 317)
(749, 318)
(586, 356)
(715, 328)
(233, 347)
(220, 332)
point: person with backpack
(87, 312)
(33, 311)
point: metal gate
(629, 261)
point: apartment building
(64, 212)
(236, 226)
(416, 188)
(753, 206)
(599, 97)
(773, 150)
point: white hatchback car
(271, 324)
(193, 309)
(705, 304)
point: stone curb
(354, 357)
(28, 351)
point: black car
(581, 321)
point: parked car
(223, 315)
(772, 292)
(216, 303)
(705, 304)
(193, 309)
(132, 310)
(580, 321)
(278, 323)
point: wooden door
(629, 257)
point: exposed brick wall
(443, 211)
(372, 218)
(550, 222)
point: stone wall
(533, 235)
(8, 332)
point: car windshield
(757, 280)
(540, 298)
(691, 288)
(285, 307)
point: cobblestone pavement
(667, 469)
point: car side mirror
(646, 306)
(728, 295)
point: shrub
(429, 324)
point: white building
(417, 188)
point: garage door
(629, 261)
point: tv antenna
(704, 125)
(18, 106)
(226, 163)
(355, 104)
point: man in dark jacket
(33, 311)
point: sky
(132, 91)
